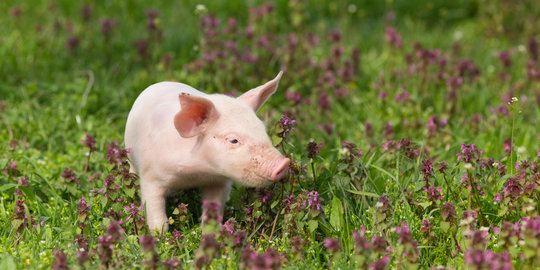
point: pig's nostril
(281, 170)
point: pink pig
(183, 138)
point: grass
(380, 199)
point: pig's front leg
(216, 193)
(153, 197)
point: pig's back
(152, 117)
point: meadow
(412, 126)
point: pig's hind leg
(153, 197)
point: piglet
(183, 138)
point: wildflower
(147, 243)
(15, 11)
(426, 228)
(512, 188)
(69, 176)
(478, 238)
(60, 260)
(314, 200)
(409, 243)
(487, 259)
(379, 243)
(504, 56)
(11, 168)
(427, 168)
(332, 244)
(408, 148)
(72, 43)
(287, 125)
(23, 182)
(172, 264)
(361, 243)
(142, 48)
(84, 209)
(469, 153)
(334, 36)
(107, 25)
(402, 97)
(297, 245)
(86, 12)
(211, 210)
(324, 101)
(89, 142)
(116, 155)
(313, 149)
(393, 37)
(381, 263)
(352, 150)
(448, 212)
(532, 47)
(443, 166)
(388, 129)
(433, 193)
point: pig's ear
(195, 113)
(256, 97)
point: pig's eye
(233, 141)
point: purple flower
(361, 242)
(72, 43)
(89, 142)
(469, 153)
(324, 101)
(433, 193)
(504, 56)
(388, 129)
(427, 168)
(332, 244)
(15, 11)
(86, 12)
(11, 168)
(448, 212)
(107, 25)
(314, 200)
(352, 149)
(294, 97)
(313, 149)
(60, 262)
(147, 243)
(532, 47)
(426, 227)
(393, 37)
(286, 124)
(211, 210)
(512, 188)
(84, 209)
(487, 259)
(381, 263)
(334, 36)
(142, 48)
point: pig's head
(230, 137)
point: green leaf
(7, 262)
(336, 214)
(130, 192)
(425, 204)
(369, 194)
(274, 204)
(445, 226)
(7, 186)
(29, 193)
(313, 225)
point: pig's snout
(281, 169)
